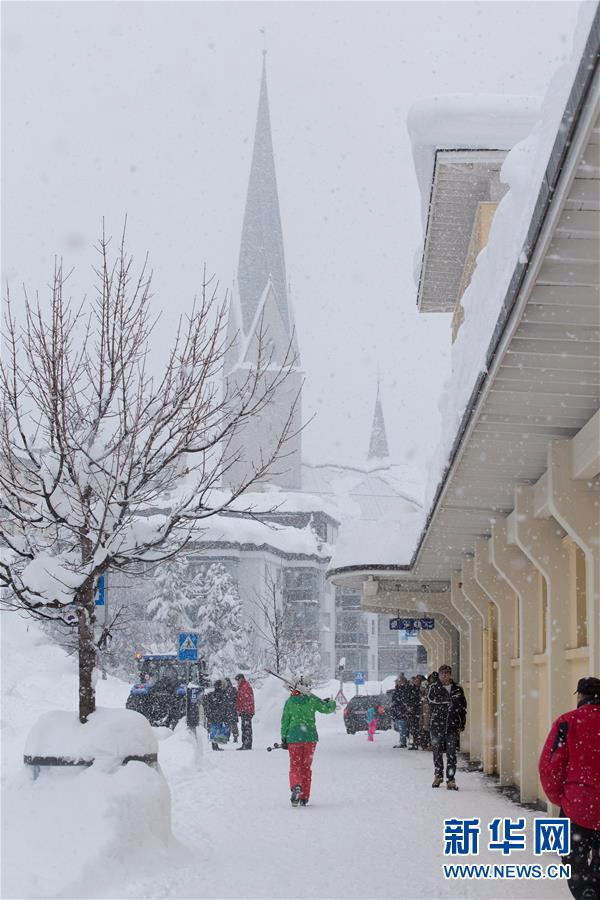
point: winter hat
(589, 687)
(240, 677)
(303, 684)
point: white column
(575, 503)
(522, 576)
(505, 601)
(446, 638)
(427, 642)
(470, 667)
(479, 601)
(541, 540)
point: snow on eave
(519, 220)
(465, 122)
(495, 289)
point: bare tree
(102, 465)
(269, 624)
(287, 648)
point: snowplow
(160, 692)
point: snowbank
(74, 832)
(80, 832)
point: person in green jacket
(299, 735)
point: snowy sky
(148, 109)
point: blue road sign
(424, 624)
(100, 596)
(359, 678)
(188, 646)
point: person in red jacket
(245, 709)
(569, 769)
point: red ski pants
(301, 757)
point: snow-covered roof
(465, 121)
(371, 492)
(378, 542)
(531, 170)
(250, 533)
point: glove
(284, 745)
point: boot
(215, 746)
(303, 802)
(437, 781)
(451, 785)
(295, 798)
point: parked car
(355, 713)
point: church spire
(378, 446)
(261, 250)
(260, 318)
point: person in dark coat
(215, 709)
(448, 716)
(414, 709)
(399, 710)
(245, 709)
(569, 770)
(232, 716)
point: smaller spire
(378, 446)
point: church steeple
(262, 256)
(260, 317)
(378, 446)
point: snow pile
(108, 737)
(74, 832)
(86, 829)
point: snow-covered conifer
(219, 622)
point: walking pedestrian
(414, 706)
(399, 710)
(232, 716)
(299, 735)
(569, 770)
(245, 708)
(371, 723)
(424, 716)
(426, 709)
(215, 712)
(448, 707)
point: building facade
(508, 557)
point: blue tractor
(160, 693)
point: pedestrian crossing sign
(188, 646)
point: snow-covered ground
(373, 828)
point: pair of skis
(290, 684)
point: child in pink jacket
(371, 722)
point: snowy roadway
(373, 827)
